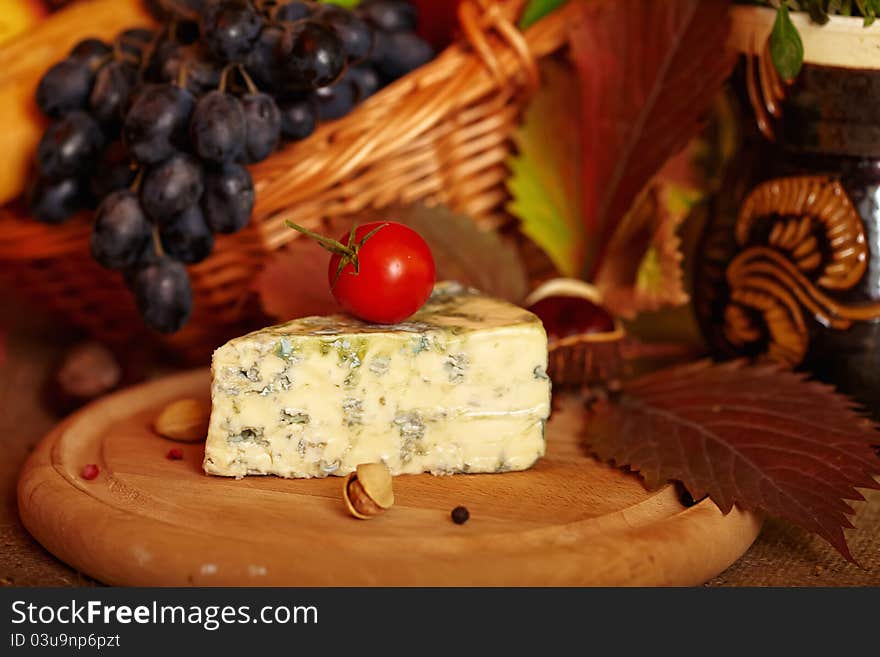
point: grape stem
(157, 241)
(136, 183)
(183, 74)
(348, 253)
(252, 88)
(224, 77)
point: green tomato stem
(348, 253)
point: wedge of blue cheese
(459, 387)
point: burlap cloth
(782, 556)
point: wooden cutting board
(147, 520)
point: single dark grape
(172, 186)
(366, 81)
(91, 52)
(389, 15)
(312, 55)
(53, 202)
(229, 28)
(289, 12)
(299, 118)
(163, 294)
(217, 129)
(186, 237)
(64, 87)
(356, 34)
(157, 122)
(336, 101)
(113, 85)
(69, 147)
(194, 68)
(264, 61)
(121, 231)
(228, 198)
(114, 170)
(404, 52)
(262, 126)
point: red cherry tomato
(395, 273)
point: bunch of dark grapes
(154, 130)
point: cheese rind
(460, 387)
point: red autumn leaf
(764, 439)
(649, 71)
(294, 281)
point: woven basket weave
(439, 135)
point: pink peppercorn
(174, 454)
(89, 471)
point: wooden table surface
(782, 556)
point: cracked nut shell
(368, 491)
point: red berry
(565, 316)
(174, 454)
(89, 471)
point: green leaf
(546, 171)
(342, 3)
(537, 9)
(870, 10)
(786, 47)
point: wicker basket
(439, 135)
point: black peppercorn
(460, 515)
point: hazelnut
(367, 491)
(85, 372)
